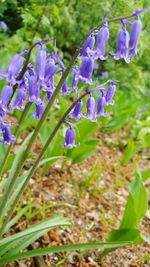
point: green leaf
(117, 122)
(15, 219)
(64, 248)
(16, 162)
(137, 203)
(125, 235)
(14, 243)
(82, 152)
(146, 175)
(129, 152)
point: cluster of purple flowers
(38, 83)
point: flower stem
(8, 191)
(60, 122)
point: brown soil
(94, 194)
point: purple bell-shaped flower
(39, 111)
(110, 93)
(122, 45)
(64, 88)
(5, 97)
(20, 99)
(7, 138)
(102, 40)
(14, 69)
(86, 70)
(134, 36)
(91, 105)
(70, 138)
(100, 106)
(34, 90)
(77, 112)
(75, 79)
(88, 45)
(40, 64)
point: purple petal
(70, 138)
(100, 106)
(86, 70)
(102, 40)
(64, 88)
(89, 44)
(34, 90)
(8, 138)
(6, 95)
(20, 99)
(91, 109)
(40, 64)
(134, 36)
(77, 112)
(39, 111)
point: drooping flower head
(75, 78)
(20, 99)
(5, 97)
(3, 26)
(77, 112)
(88, 45)
(90, 105)
(14, 69)
(100, 106)
(64, 88)
(34, 90)
(86, 70)
(70, 138)
(7, 138)
(110, 93)
(134, 36)
(102, 40)
(39, 111)
(40, 64)
(122, 44)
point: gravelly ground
(94, 194)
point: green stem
(21, 120)
(10, 212)
(8, 191)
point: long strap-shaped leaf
(64, 248)
(56, 220)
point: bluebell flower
(75, 79)
(86, 70)
(14, 69)
(101, 43)
(34, 90)
(134, 36)
(50, 70)
(5, 97)
(91, 105)
(70, 138)
(100, 106)
(7, 138)
(77, 112)
(40, 64)
(59, 61)
(88, 45)
(3, 26)
(20, 99)
(110, 93)
(39, 111)
(122, 45)
(64, 89)
(49, 95)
